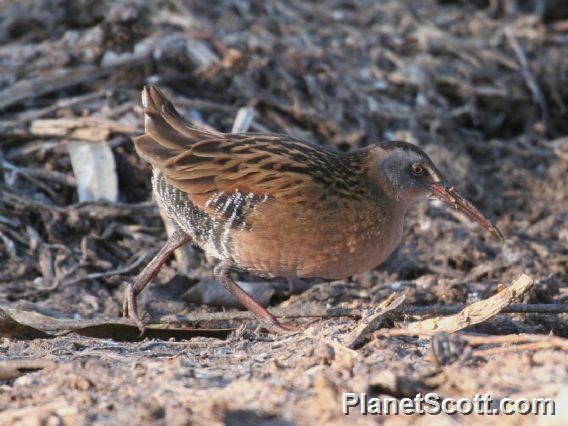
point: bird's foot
(281, 328)
(130, 307)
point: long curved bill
(450, 196)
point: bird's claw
(130, 308)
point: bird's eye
(418, 169)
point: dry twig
(476, 312)
(62, 78)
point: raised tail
(167, 133)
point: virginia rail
(277, 206)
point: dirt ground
(482, 86)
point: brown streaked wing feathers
(202, 162)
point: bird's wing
(210, 166)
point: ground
(481, 86)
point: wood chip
(82, 128)
(372, 322)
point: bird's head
(404, 173)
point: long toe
(130, 308)
(285, 328)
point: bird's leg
(135, 287)
(222, 274)
(291, 286)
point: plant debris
(481, 86)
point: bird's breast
(334, 241)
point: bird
(277, 206)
